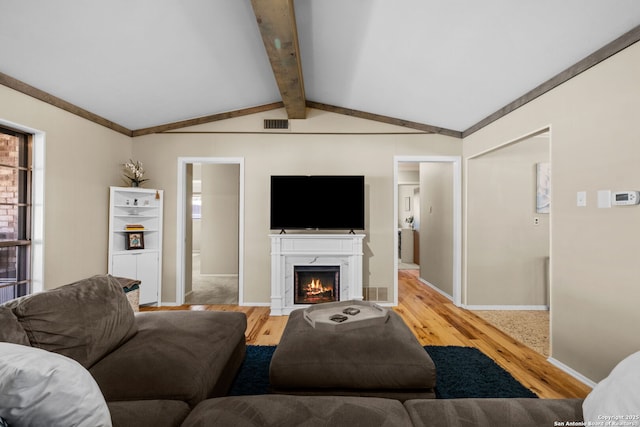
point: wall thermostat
(623, 198)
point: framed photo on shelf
(135, 240)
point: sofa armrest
(493, 412)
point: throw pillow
(616, 399)
(40, 388)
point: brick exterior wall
(9, 151)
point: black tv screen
(323, 202)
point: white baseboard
(507, 307)
(217, 275)
(255, 304)
(575, 374)
(435, 288)
(169, 304)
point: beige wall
(82, 160)
(324, 143)
(219, 224)
(510, 252)
(436, 225)
(594, 146)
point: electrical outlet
(536, 221)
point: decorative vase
(135, 184)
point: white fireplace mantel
(290, 250)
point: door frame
(456, 162)
(517, 140)
(182, 216)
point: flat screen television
(317, 202)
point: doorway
(509, 238)
(435, 219)
(210, 229)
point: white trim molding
(182, 216)
(457, 219)
(435, 288)
(507, 307)
(575, 374)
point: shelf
(135, 251)
(142, 263)
(136, 206)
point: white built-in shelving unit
(137, 206)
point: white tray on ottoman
(345, 315)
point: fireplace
(340, 252)
(314, 284)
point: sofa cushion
(11, 330)
(521, 412)
(176, 355)
(84, 320)
(616, 395)
(148, 413)
(41, 388)
(284, 411)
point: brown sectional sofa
(174, 368)
(152, 368)
(347, 411)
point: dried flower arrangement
(134, 172)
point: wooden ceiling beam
(43, 96)
(277, 23)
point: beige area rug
(213, 289)
(530, 327)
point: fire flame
(315, 287)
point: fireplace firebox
(314, 284)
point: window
(15, 214)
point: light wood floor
(436, 321)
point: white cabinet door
(406, 245)
(142, 266)
(124, 266)
(147, 273)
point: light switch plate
(581, 198)
(604, 198)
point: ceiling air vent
(276, 124)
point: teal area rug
(460, 372)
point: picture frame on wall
(543, 190)
(135, 240)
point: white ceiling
(445, 63)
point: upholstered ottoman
(380, 361)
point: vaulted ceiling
(437, 65)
